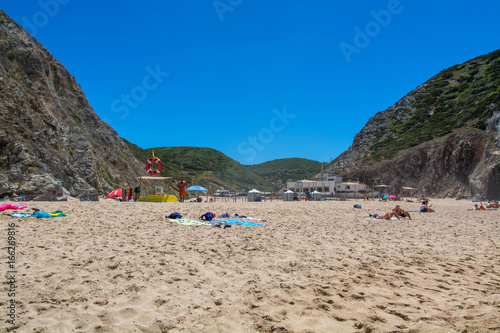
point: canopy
(289, 191)
(115, 194)
(254, 191)
(196, 188)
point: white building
(329, 185)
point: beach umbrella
(196, 188)
(115, 194)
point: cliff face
(52, 143)
(443, 136)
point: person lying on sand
(492, 205)
(386, 216)
(401, 213)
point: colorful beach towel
(248, 218)
(188, 222)
(417, 211)
(10, 206)
(22, 215)
(42, 215)
(245, 223)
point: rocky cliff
(443, 136)
(52, 143)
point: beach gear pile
(225, 220)
(37, 213)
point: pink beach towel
(10, 206)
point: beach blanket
(248, 218)
(10, 206)
(374, 218)
(188, 222)
(417, 211)
(245, 223)
(21, 215)
(42, 215)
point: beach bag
(357, 206)
(174, 216)
(207, 216)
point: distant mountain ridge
(214, 170)
(442, 136)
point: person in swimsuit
(401, 213)
(182, 184)
(386, 216)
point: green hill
(443, 136)
(457, 97)
(278, 172)
(214, 170)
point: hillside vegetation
(443, 136)
(460, 96)
(214, 170)
(279, 172)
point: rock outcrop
(52, 143)
(443, 136)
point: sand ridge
(314, 267)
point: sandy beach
(314, 267)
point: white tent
(254, 195)
(288, 196)
(316, 196)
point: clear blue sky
(257, 80)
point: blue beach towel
(245, 223)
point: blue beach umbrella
(196, 188)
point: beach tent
(288, 196)
(408, 192)
(114, 194)
(380, 187)
(316, 196)
(254, 195)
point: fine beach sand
(315, 267)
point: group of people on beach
(399, 213)
(492, 205)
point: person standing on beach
(182, 184)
